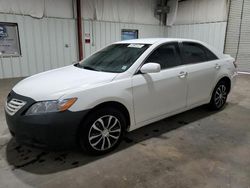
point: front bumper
(52, 130)
(233, 78)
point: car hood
(53, 84)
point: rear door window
(195, 53)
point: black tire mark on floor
(155, 130)
(181, 122)
(76, 163)
(36, 159)
(41, 160)
(128, 140)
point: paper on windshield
(135, 45)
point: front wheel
(219, 96)
(102, 131)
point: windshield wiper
(89, 68)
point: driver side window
(167, 55)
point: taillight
(235, 64)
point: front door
(157, 94)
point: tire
(102, 131)
(219, 96)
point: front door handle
(217, 66)
(182, 74)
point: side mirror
(150, 68)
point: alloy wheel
(220, 96)
(104, 132)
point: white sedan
(122, 87)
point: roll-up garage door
(238, 33)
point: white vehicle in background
(120, 88)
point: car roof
(159, 41)
(154, 40)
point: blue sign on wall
(128, 34)
(3, 32)
(9, 39)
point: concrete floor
(198, 148)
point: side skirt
(158, 118)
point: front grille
(13, 106)
(9, 97)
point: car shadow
(43, 162)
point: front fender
(116, 91)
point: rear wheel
(219, 96)
(102, 131)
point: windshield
(114, 58)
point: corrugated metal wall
(51, 42)
(238, 33)
(103, 33)
(233, 28)
(201, 11)
(43, 45)
(244, 46)
(44, 41)
(211, 33)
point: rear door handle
(182, 74)
(217, 66)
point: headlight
(51, 106)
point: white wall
(201, 11)
(38, 8)
(211, 33)
(129, 11)
(103, 33)
(42, 45)
(203, 20)
(43, 42)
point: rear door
(201, 65)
